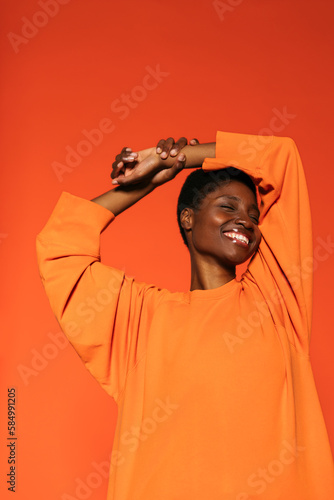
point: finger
(115, 174)
(129, 178)
(117, 165)
(179, 165)
(125, 157)
(118, 179)
(193, 142)
(160, 145)
(121, 160)
(126, 154)
(178, 146)
(169, 143)
(130, 175)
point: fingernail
(159, 150)
(128, 149)
(173, 152)
(164, 155)
(114, 182)
(181, 157)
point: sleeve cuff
(78, 208)
(244, 151)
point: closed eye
(230, 208)
(227, 206)
(254, 218)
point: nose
(244, 221)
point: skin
(213, 255)
(232, 207)
(136, 174)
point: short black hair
(201, 182)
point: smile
(237, 238)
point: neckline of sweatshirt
(213, 293)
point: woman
(214, 386)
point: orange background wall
(231, 68)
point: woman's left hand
(133, 167)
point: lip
(236, 241)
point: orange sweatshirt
(214, 388)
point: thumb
(177, 166)
(193, 142)
(168, 174)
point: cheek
(205, 234)
(201, 233)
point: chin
(236, 260)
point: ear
(186, 218)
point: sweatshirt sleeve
(283, 266)
(104, 314)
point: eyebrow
(235, 198)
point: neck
(206, 275)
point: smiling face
(225, 227)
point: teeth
(237, 236)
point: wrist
(197, 154)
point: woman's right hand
(152, 165)
(133, 167)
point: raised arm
(104, 313)
(282, 267)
